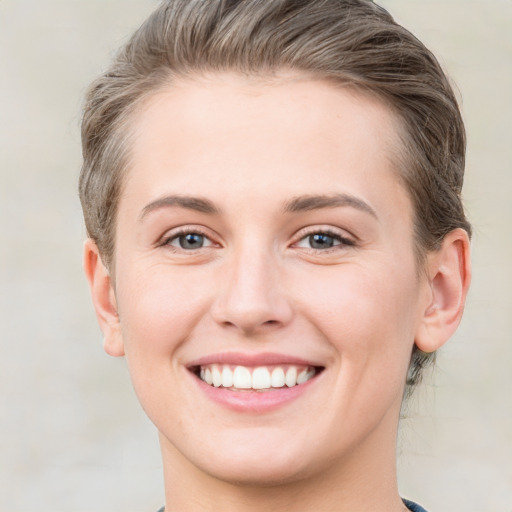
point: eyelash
(166, 241)
(342, 241)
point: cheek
(159, 306)
(367, 313)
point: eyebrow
(295, 205)
(197, 204)
(314, 202)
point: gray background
(73, 437)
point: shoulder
(413, 507)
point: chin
(258, 472)
(252, 457)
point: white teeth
(278, 380)
(216, 376)
(291, 376)
(259, 378)
(304, 376)
(227, 377)
(242, 378)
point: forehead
(205, 105)
(220, 133)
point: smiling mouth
(260, 378)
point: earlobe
(449, 274)
(103, 299)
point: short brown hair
(349, 41)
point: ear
(103, 299)
(449, 274)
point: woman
(277, 243)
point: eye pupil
(321, 241)
(191, 241)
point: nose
(251, 297)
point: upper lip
(244, 359)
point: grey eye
(190, 241)
(322, 241)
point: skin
(250, 147)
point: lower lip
(254, 401)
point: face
(265, 278)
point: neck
(363, 480)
